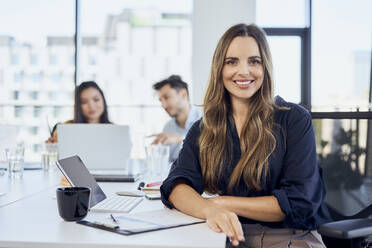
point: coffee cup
(73, 202)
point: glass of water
(49, 156)
(15, 158)
(157, 157)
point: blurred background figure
(173, 94)
(90, 107)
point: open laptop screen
(100, 146)
(77, 174)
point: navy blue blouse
(294, 177)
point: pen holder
(73, 202)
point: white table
(33, 182)
(29, 218)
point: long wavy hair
(78, 113)
(257, 139)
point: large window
(31, 33)
(335, 86)
(125, 46)
(335, 57)
(288, 34)
(341, 100)
(286, 53)
(284, 13)
(341, 45)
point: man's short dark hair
(174, 82)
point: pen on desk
(113, 219)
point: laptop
(104, 149)
(78, 175)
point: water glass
(49, 156)
(157, 157)
(135, 166)
(15, 158)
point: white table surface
(29, 218)
(33, 182)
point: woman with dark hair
(255, 151)
(90, 106)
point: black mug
(73, 202)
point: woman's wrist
(221, 201)
(209, 207)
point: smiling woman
(255, 151)
(243, 69)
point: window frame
(305, 36)
(306, 57)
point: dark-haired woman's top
(294, 177)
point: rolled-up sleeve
(186, 167)
(301, 189)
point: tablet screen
(78, 175)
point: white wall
(211, 18)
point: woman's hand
(51, 140)
(262, 208)
(167, 138)
(221, 220)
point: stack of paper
(140, 222)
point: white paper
(144, 220)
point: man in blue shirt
(174, 97)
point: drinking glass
(15, 158)
(157, 157)
(49, 156)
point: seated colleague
(257, 152)
(174, 97)
(90, 106)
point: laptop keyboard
(117, 204)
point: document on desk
(140, 222)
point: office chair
(348, 231)
(349, 192)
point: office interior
(321, 52)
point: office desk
(33, 182)
(33, 221)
